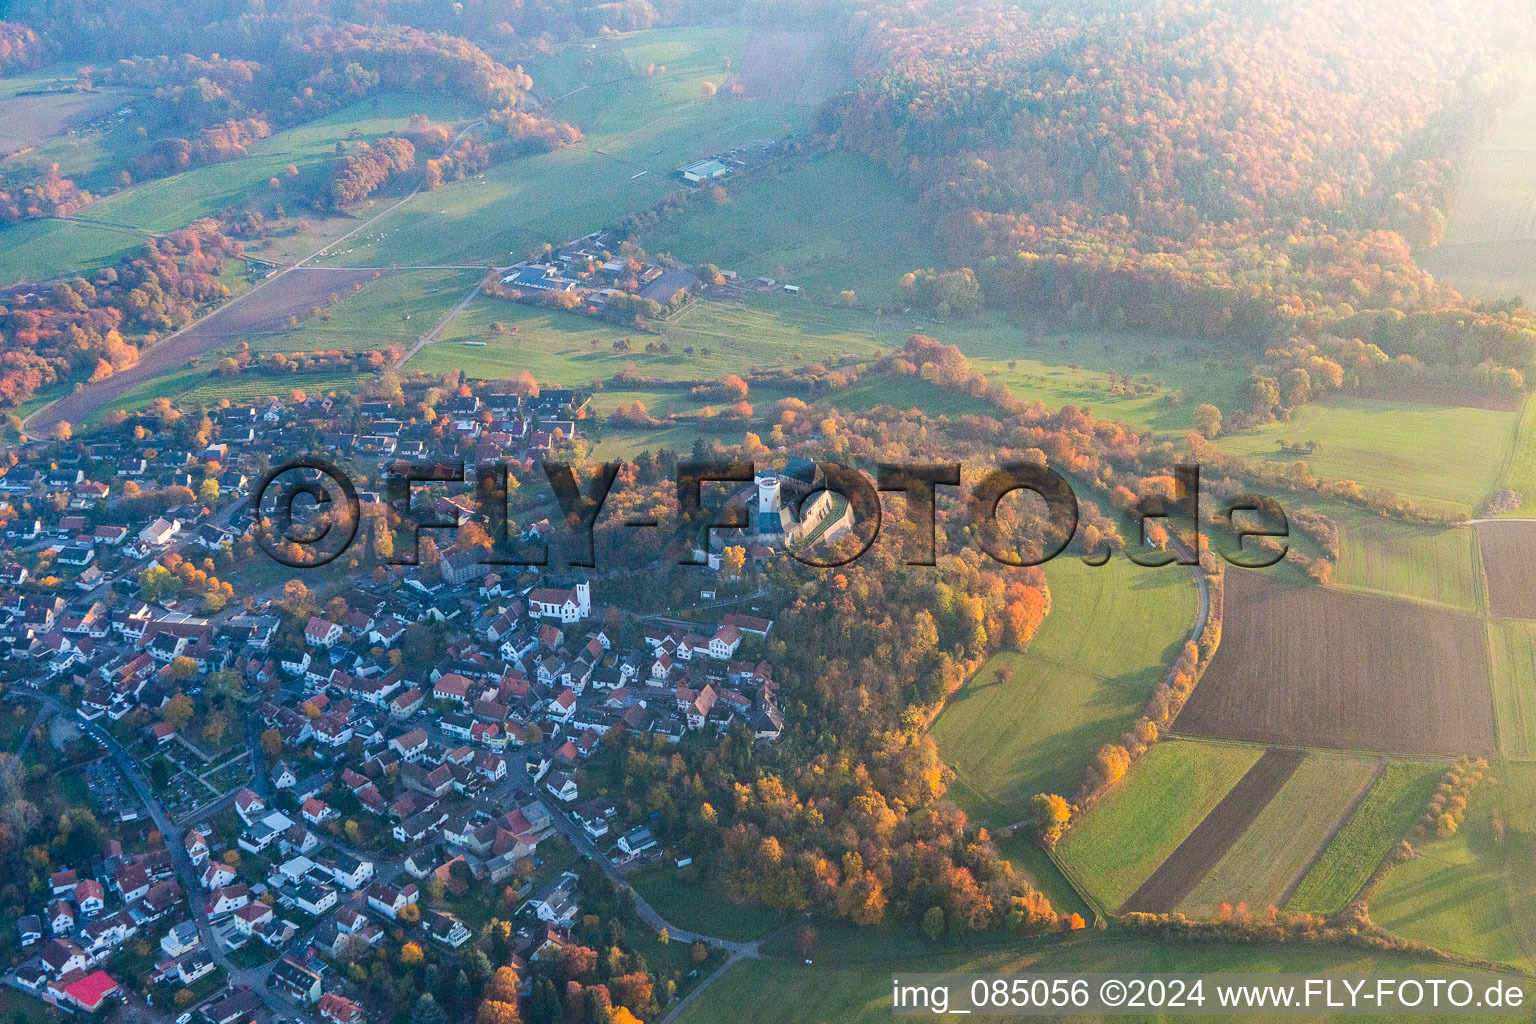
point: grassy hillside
(1473, 893)
(1447, 458)
(569, 348)
(117, 224)
(1028, 723)
(822, 223)
(1487, 247)
(639, 129)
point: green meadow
(694, 904)
(849, 978)
(1385, 556)
(1394, 803)
(396, 311)
(1029, 723)
(823, 223)
(111, 227)
(1473, 893)
(198, 386)
(1145, 817)
(1446, 458)
(1512, 661)
(76, 130)
(563, 348)
(640, 128)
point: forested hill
(90, 30)
(1196, 166)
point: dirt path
(1177, 876)
(431, 336)
(207, 332)
(291, 294)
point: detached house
(159, 533)
(320, 632)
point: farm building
(539, 277)
(704, 170)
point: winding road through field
(199, 338)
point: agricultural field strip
(1143, 819)
(1203, 848)
(1512, 657)
(1507, 547)
(1274, 852)
(1343, 819)
(1384, 816)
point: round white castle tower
(767, 493)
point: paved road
(648, 913)
(186, 871)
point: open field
(1508, 553)
(1489, 242)
(291, 295)
(822, 223)
(1140, 823)
(1027, 723)
(562, 348)
(1446, 458)
(1394, 803)
(30, 121)
(794, 65)
(78, 131)
(1512, 664)
(398, 312)
(1200, 851)
(694, 905)
(1396, 559)
(1473, 893)
(1268, 858)
(905, 393)
(1321, 667)
(639, 129)
(1520, 474)
(1168, 375)
(111, 227)
(849, 980)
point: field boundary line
(1338, 826)
(1100, 915)
(1265, 777)
(1392, 755)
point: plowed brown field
(1509, 555)
(1318, 667)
